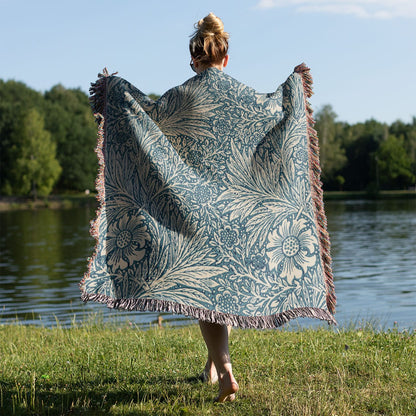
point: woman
(209, 48)
(211, 203)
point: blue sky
(362, 53)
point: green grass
(109, 369)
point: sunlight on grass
(119, 369)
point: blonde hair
(209, 43)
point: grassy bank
(349, 195)
(62, 201)
(102, 369)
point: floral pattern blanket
(210, 202)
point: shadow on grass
(99, 396)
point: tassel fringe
(98, 99)
(317, 192)
(257, 322)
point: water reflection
(43, 257)
(374, 260)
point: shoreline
(67, 201)
(364, 195)
(59, 201)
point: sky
(362, 53)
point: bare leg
(216, 339)
(209, 374)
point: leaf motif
(183, 296)
(186, 110)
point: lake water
(43, 257)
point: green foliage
(72, 132)
(73, 129)
(365, 139)
(340, 180)
(408, 133)
(35, 166)
(394, 164)
(15, 99)
(153, 96)
(365, 156)
(332, 154)
(15, 92)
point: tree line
(47, 143)
(369, 156)
(47, 140)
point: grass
(108, 369)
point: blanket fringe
(98, 98)
(317, 192)
(255, 322)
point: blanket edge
(317, 191)
(245, 322)
(98, 99)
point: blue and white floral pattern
(207, 199)
(125, 242)
(291, 249)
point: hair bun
(211, 25)
(209, 43)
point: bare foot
(209, 375)
(228, 388)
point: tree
(408, 133)
(35, 169)
(394, 164)
(153, 96)
(15, 98)
(71, 123)
(9, 114)
(362, 141)
(332, 154)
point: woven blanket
(210, 202)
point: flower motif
(291, 248)
(223, 84)
(257, 261)
(160, 154)
(125, 242)
(202, 194)
(227, 302)
(195, 157)
(223, 127)
(301, 155)
(228, 237)
(247, 98)
(301, 159)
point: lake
(43, 256)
